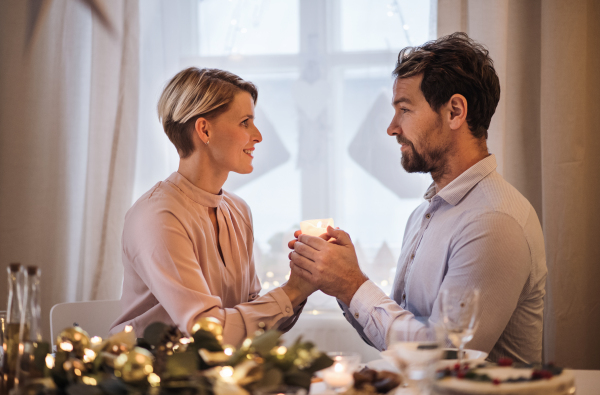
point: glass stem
(461, 354)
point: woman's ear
(202, 128)
(458, 111)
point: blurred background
(80, 140)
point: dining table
(587, 382)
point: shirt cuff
(283, 301)
(364, 301)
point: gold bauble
(134, 366)
(209, 324)
(77, 337)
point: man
(473, 231)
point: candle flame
(338, 367)
(319, 224)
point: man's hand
(330, 265)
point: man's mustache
(403, 140)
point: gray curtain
(68, 127)
(546, 135)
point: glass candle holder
(338, 376)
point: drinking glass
(460, 309)
(339, 376)
(416, 353)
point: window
(323, 70)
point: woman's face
(234, 136)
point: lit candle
(315, 227)
(338, 376)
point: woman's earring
(207, 141)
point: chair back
(94, 317)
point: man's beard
(431, 160)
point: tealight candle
(338, 376)
(315, 227)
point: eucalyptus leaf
(264, 343)
(271, 379)
(298, 378)
(180, 365)
(321, 362)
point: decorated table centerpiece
(165, 361)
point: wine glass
(416, 352)
(460, 309)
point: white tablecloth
(587, 382)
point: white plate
(388, 363)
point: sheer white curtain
(68, 126)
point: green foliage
(180, 365)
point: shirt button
(287, 309)
(403, 296)
(427, 215)
(356, 315)
(412, 256)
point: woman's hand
(298, 289)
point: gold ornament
(134, 366)
(77, 337)
(209, 324)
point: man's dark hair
(450, 65)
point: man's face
(418, 128)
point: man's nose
(393, 129)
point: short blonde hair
(195, 93)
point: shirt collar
(198, 195)
(461, 185)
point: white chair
(94, 317)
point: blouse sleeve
(162, 254)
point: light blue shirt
(477, 232)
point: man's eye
(404, 110)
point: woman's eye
(245, 122)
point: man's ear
(202, 129)
(457, 106)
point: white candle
(315, 227)
(338, 376)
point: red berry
(496, 381)
(460, 375)
(505, 362)
(466, 366)
(457, 366)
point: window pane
(368, 25)
(248, 27)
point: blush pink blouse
(174, 272)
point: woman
(187, 244)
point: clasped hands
(327, 263)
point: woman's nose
(257, 135)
